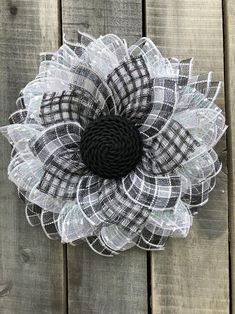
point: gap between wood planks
(229, 138)
(148, 253)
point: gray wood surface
(97, 284)
(229, 52)
(31, 266)
(192, 275)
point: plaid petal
(131, 86)
(59, 184)
(162, 104)
(33, 213)
(87, 80)
(18, 116)
(147, 190)
(116, 237)
(202, 166)
(49, 223)
(88, 192)
(20, 103)
(58, 138)
(213, 90)
(198, 194)
(184, 69)
(150, 241)
(119, 208)
(72, 224)
(58, 150)
(71, 105)
(200, 82)
(97, 244)
(203, 83)
(174, 222)
(169, 149)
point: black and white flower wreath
(114, 144)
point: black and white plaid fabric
(49, 222)
(131, 85)
(169, 149)
(33, 213)
(162, 103)
(71, 105)
(200, 82)
(150, 241)
(18, 116)
(183, 68)
(120, 209)
(151, 191)
(46, 56)
(104, 202)
(88, 196)
(59, 184)
(213, 90)
(20, 103)
(86, 79)
(99, 246)
(197, 194)
(58, 150)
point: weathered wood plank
(97, 284)
(191, 275)
(31, 266)
(229, 44)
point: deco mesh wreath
(114, 144)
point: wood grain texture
(192, 275)
(31, 266)
(97, 284)
(229, 46)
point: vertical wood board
(192, 275)
(229, 50)
(97, 284)
(31, 266)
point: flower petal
(162, 104)
(150, 241)
(176, 222)
(71, 105)
(183, 68)
(97, 244)
(147, 190)
(204, 124)
(157, 65)
(173, 145)
(72, 224)
(18, 116)
(106, 53)
(84, 78)
(116, 238)
(58, 150)
(56, 140)
(59, 184)
(49, 223)
(88, 192)
(131, 86)
(201, 166)
(197, 194)
(120, 209)
(33, 214)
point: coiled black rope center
(111, 146)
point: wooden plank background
(183, 276)
(192, 275)
(31, 266)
